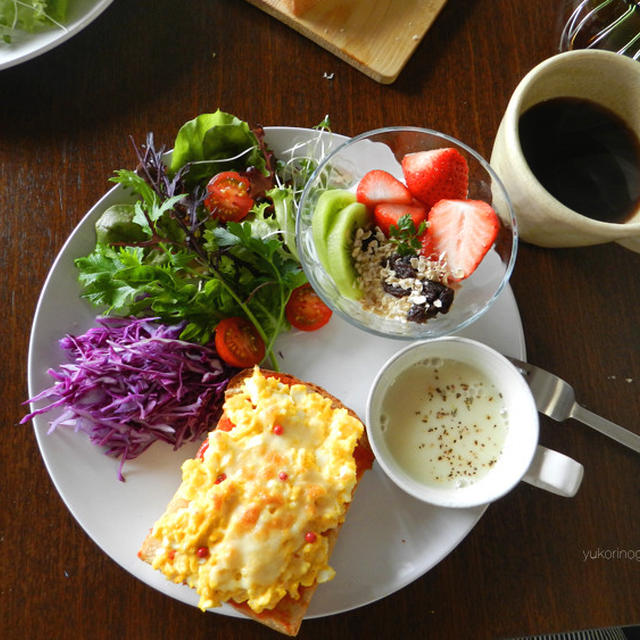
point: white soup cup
(521, 457)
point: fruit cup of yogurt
(406, 232)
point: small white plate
(25, 46)
(389, 539)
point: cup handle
(554, 472)
(630, 243)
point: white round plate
(389, 539)
(25, 46)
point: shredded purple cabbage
(131, 382)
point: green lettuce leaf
(214, 142)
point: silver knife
(556, 399)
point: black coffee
(584, 155)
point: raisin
(433, 292)
(394, 290)
(367, 240)
(419, 313)
(401, 266)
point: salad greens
(30, 15)
(291, 177)
(167, 257)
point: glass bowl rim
(483, 163)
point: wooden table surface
(535, 562)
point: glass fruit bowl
(328, 240)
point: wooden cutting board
(377, 37)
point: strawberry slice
(380, 186)
(436, 175)
(387, 213)
(462, 231)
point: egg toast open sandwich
(258, 511)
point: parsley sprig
(406, 235)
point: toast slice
(287, 613)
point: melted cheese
(256, 494)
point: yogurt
(444, 422)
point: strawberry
(428, 249)
(436, 175)
(380, 186)
(387, 213)
(462, 231)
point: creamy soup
(444, 422)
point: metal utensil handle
(606, 427)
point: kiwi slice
(329, 204)
(340, 246)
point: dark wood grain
(65, 119)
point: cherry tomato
(305, 310)
(228, 196)
(238, 343)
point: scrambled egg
(261, 496)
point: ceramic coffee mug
(410, 432)
(608, 79)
